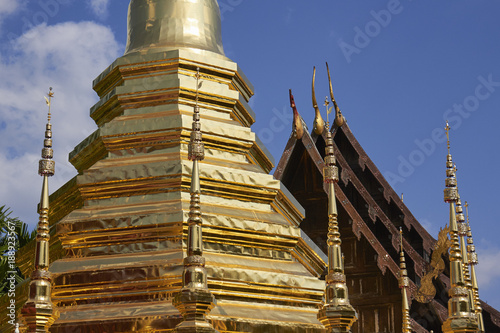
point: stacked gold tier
(120, 227)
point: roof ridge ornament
(298, 123)
(194, 301)
(39, 313)
(319, 123)
(339, 118)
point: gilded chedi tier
(122, 223)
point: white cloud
(488, 269)
(99, 7)
(488, 272)
(67, 56)
(8, 6)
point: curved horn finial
(339, 118)
(298, 128)
(319, 123)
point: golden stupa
(174, 224)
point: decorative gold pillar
(404, 284)
(460, 318)
(472, 261)
(195, 301)
(336, 314)
(38, 312)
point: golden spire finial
(38, 312)
(328, 111)
(447, 129)
(460, 318)
(339, 118)
(195, 300)
(48, 101)
(319, 123)
(404, 284)
(336, 313)
(472, 261)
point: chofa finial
(319, 123)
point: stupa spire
(460, 318)
(195, 300)
(462, 233)
(404, 284)
(38, 312)
(336, 314)
(472, 261)
(158, 25)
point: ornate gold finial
(336, 314)
(402, 197)
(319, 123)
(447, 129)
(460, 318)
(328, 111)
(38, 312)
(472, 261)
(339, 118)
(195, 300)
(404, 284)
(298, 126)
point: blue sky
(400, 68)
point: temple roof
(373, 209)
